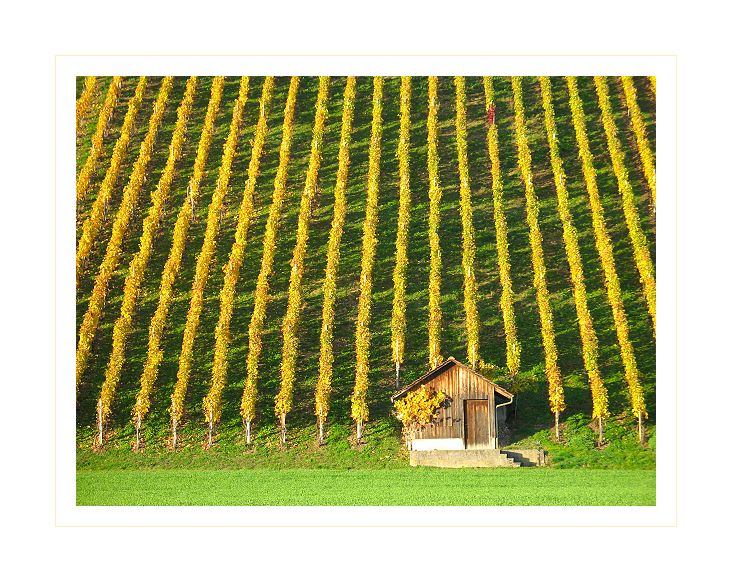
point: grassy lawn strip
(414, 486)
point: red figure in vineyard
(491, 114)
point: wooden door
(478, 425)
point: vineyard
(260, 262)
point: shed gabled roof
(439, 369)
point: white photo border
(664, 513)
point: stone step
(526, 457)
(509, 462)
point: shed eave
(449, 361)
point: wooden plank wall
(458, 384)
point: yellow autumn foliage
(359, 407)
(93, 222)
(639, 129)
(472, 320)
(571, 245)
(261, 293)
(398, 316)
(212, 401)
(551, 365)
(434, 325)
(136, 272)
(605, 251)
(84, 101)
(417, 409)
(291, 321)
(113, 254)
(205, 257)
(103, 119)
(325, 364)
(513, 346)
(175, 256)
(641, 253)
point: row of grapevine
(138, 265)
(113, 253)
(472, 320)
(325, 364)
(605, 251)
(203, 263)
(551, 365)
(513, 345)
(105, 115)
(261, 293)
(588, 336)
(84, 101)
(173, 262)
(291, 321)
(652, 80)
(434, 325)
(93, 223)
(359, 407)
(642, 255)
(398, 317)
(639, 129)
(212, 401)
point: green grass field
(411, 486)
(112, 469)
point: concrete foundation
(477, 458)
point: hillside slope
(382, 432)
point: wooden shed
(470, 416)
